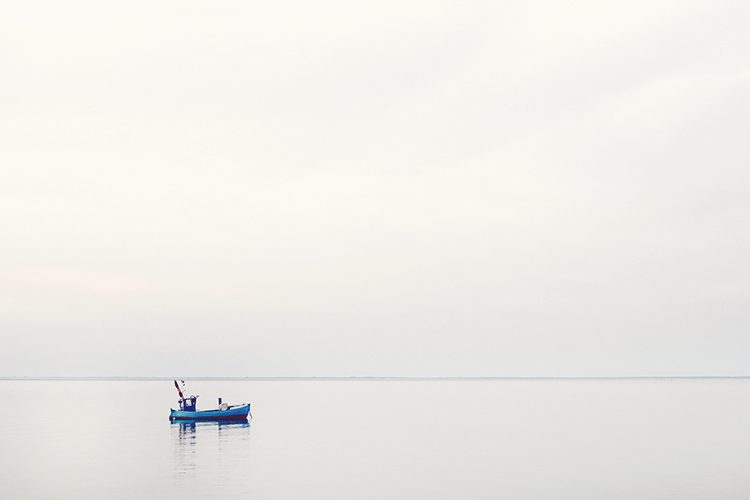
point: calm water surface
(637, 439)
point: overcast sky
(374, 188)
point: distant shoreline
(377, 379)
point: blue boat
(188, 410)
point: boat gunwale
(238, 412)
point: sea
(533, 439)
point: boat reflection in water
(201, 446)
(189, 430)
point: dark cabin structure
(188, 404)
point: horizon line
(367, 377)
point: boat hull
(234, 413)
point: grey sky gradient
(374, 188)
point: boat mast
(179, 391)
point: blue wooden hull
(234, 413)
